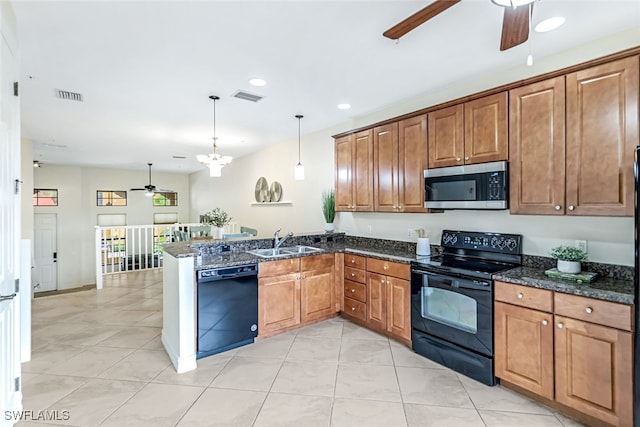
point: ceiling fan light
(549, 24)
(512, 3)
(148, 193)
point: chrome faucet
(280, 240)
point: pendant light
(214, 161)
(512, 3)
(298, 172)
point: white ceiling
(146, 68)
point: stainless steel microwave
(480, 186)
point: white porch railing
(121, 249)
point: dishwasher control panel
(219, 273)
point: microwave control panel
(496, 188)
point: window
(111, 198)
(165, 199)
(45, 197)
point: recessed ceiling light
(549, 24)
(257, 82)
(344, 106)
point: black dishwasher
(227, 308)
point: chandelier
(214, 161)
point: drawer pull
(353, 309)
(558, 207)
(353, 290)
(386, 267)
(544, 322)
(353, 261)
(353, 274)
(589, 310)
(520, 295)
(560, 325)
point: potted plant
(569, 258)
(217, 218)
(329, 209)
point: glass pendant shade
(214, 161)
(512, 3)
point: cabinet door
(317, 294)
(279, 302)
(485, 129)
(412, 161)
(385, 168)
(524, 348)
(344, 165)
(602, 132)
(537, 148)
(363, 171)
(377, 302)
(594, 370)
(398, 308)
(446, 137)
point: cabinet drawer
(389, 268)
(355, 274)
(525, 296)
(316, 262)
(355, 309)
(355, 261)
(619, 316)
(276, 268)
(357, 291)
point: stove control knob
(445, 238)
(511, 244)
(501, 243)
(494, 242)
(454, 239)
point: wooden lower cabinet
(376, 302)
(279, 303)
(524, 348)
(398, 308)
(594, 370)
(317, 295)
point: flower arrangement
(329, 206)
(568, 253)
(216, 217)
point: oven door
(453, 309)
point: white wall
(77, 211)
(609, 239)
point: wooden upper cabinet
(446, 137)
(412, 161)
(354, 172)
(485, 129)
(602, 132)
(385, 166)
(537, 148)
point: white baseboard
(181, 363)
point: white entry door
(45, 252)
(10, 395)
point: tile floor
(98, 355)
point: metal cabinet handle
(557, 207)
(353, 274)
(520, 295)
(386, 267)
(353, 261)
(589, 310)
(571, 207)
(353, 309)
(544, 322)
(458, 159)
(400, 207)
(353, 290)
(466, 158)
(560, 325)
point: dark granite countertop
(604, 288)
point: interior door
(45, 242)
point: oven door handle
(455, 282)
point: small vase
(329, 227)
(572, 267)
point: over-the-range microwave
(479, 186)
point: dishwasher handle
(227, 273)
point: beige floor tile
(371, 352)
(329, 329)
(131, 337)
(273, 347)
(156, 405)
(154, 344)
(224, 408)
(141, 365)
(49, 355)
(41, 392)
(153, 320)
(511, 419)
(91, 335)
(500, 399)
(432, 387)
(91, 362)
(208, 368)
(405, 356)
(127, 317)
(308, 377)
(351, 331)
(93, 402)
(440, 416)
(286, 410)
(367, 382)
(315, 348)
(248, 373)
(352, 413)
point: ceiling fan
(515, 24)
(150, 188)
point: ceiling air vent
(69, 96)
(247, 96)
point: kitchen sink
(286, 251)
